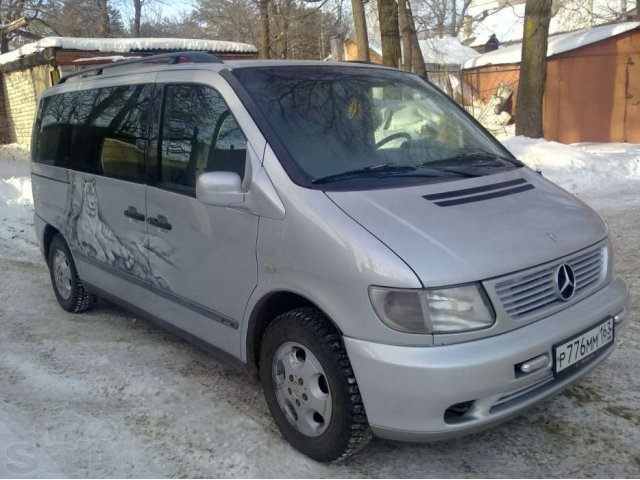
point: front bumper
(407, 390)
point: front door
(203, 257)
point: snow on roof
(505, 23)
(557, 44)
(126, 45)
(445, 51)
(440, 51)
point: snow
(16, 202)
(106, 58)
(557, 44)
(445, 51)
(507, 21)
(588, 168)
(438, 51)
(126, 45)
(106, 394)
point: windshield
(353, 127)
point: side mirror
(221, 189)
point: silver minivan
(346, 230)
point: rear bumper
(407, 390)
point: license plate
(575, 350)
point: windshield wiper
(360, 172)
(480, 157)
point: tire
(298, 349)
(67, 286)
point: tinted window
(356, 126)
(108, 133)
(199, 134)
(52, 145)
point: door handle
(132, 212)
(160, 222)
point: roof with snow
(557, 44)
(446, 51)
(506, 22)
(127, 45)
(439, 51)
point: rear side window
(109, 131)
(53, 136)
(199, 134)
(100, 131)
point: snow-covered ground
(107, 394)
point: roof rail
(171, 58)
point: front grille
(533, 292)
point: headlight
(445, 310)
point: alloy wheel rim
(302, 389)
(62, 274)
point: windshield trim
(291, 167)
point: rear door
(203, 257)
(106, 210)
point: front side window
(199, 134)
(358, 127)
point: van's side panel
(110, 248)
(50, 186)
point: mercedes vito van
(346, 230)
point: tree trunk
(360, 24)
(389, 32)
(137, 15)
(286, 16)
(417, 59)
(4, 44)
(533, 68)
(265, 44)
(454, 18)
(405, 31)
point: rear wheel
(310, 387)
(67, 286)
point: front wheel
(70, 292)
(310, 387)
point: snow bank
(580, 168)
(557, 44)
(126, 45)
(16, 202)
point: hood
(474, 229)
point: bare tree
(416, 52)
(81, 18)
(360, 24)
(103, 9)
(265, 37)
(137, 16)
(389, 32)
(16, 19)
(442, 17)
(533, 68)
(405, 32)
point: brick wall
(5, 132)
(22, 89)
